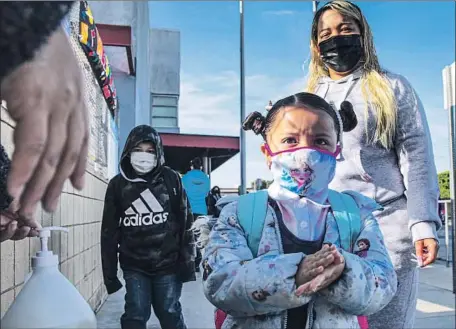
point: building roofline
(200, 141)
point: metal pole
(452, 113)
(209, 162)
(242, 92)
(142, 92)
(315, 6)
(450, 104)
(447, 234)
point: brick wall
(79, 211)
(78, 250)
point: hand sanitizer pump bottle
(48, 299)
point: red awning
(118, 36)
(180, 149)
(200, 141)
(115, 35)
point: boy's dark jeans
(160, 292)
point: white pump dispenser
(48, 299)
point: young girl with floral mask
(300, 277)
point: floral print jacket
(257, 290)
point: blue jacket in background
(197, 185)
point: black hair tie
(255, 122)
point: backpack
(252, 210)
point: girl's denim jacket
(257, 290)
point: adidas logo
(144, 211)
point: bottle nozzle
(45, 257)
(45, 233)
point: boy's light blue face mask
(304, 171)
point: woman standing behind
(388, 156)
(211, 200)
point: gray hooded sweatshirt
(402, 179)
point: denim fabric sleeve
(240, 284)
(368, 282)
(413, 146)
(25, 26)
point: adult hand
(313, 265)
(8, 226)
(45, 98)
(323, 280)
(12, 228)
(426, 251)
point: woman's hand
(426, 251)
(313, 265)
(327, 277)
(45, 97)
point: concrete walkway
(436, 304)
(435, 309)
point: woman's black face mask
(341, 53)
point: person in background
(442, 211)
(147, 220)
(211, 201)
(51, 132)
(388, 156)
(197, 185)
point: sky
(413, 38)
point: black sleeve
(5, 199)
(110, 240)
(25, 26)
(211, 205)
(188, 249)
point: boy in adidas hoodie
(147, 221)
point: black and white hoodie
(146, 219)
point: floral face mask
(304, 171)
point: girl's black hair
(260, 124)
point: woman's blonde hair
(376, 89)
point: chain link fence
(97, 106)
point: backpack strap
(174, 187)
(348, 218)
(252, 209)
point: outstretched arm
(416, 161)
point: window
(164, 111)
(164, 122)
(164, 100)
